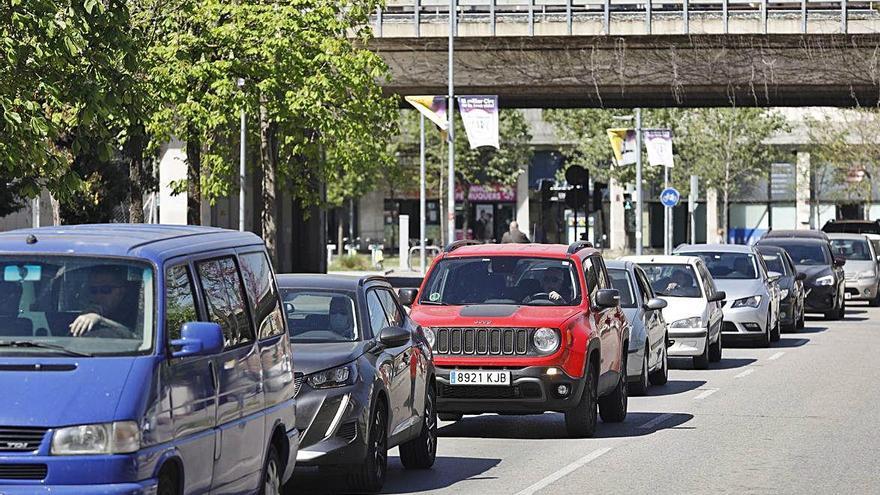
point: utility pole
(241, 160)
(422, 208)
(450, 194)
(638, 181)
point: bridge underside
(645, 71)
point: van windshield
(86, 306)
(503, 280)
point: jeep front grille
(483, 341)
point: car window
(260, 286)
(673, 279)
(644, 286)
(180, 306)
(852, 249)
(726, 265)
(378, 317)
(806, 254)
(392, 309)
(620, 281)
(224, 298)
(601, 272)
(318, 316)
(775, 262)
(708, 282)
(592, 277)
(876, 244)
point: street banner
(432, 107)
(659, 144)
(480, 117)
(623, 143)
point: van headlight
(334, 377)
(693, 322)
(826, 280)
(747, 302)
(546, 340)
(120, 437)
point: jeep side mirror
(607, 298)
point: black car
(791, 286)
(852, 227)
(825, 280)
(366, 374)
(797, 234)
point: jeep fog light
(552, 371)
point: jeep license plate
(462, 377)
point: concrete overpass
(626, 53)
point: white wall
(172, 167)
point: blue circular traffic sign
(670, 196)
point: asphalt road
(800, 417)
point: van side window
(395, 315)
(180, 306)
(224, 298)
(258, 282)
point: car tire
(613, 407)
(801, 323)
(369, 476)
(450, 416)
(270, 481)
(715, 350)
(875, 302)
(640, 387)
(841, 313)
(420, 452)
(776, 331)
(580, 421)
(701, 362)
(661, 376)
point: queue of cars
(171, 360)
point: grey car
(752, 307)
(647, 361)
(861, 273)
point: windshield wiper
(43, 345)
(435, 303)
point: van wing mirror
(607, 298)
(198, 338)
(407, 296)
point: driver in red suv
(525, 328)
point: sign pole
(692, 206)
(450, 206)
(638, 181)
(422, 207)
(666, 220)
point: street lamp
(638, 130)
(241, 160)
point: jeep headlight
(332, 378)
(546, 340)
(692, 322)
(747, 302)
(121, 437)
(826, 280)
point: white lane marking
(656, 421)
(744, 373)
(776, 356)
(583, 461)
(706, 393)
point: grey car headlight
(692, 322)
(826, 280)
(747, 302)
(546, 340)
(334, 377)
(783, 293)
(121, 437)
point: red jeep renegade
(525, 328)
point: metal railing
(570, 12)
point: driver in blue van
(109, 290)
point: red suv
(525, 328)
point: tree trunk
(134, 150)
(267, 162)
(193, 178)
(466, 208)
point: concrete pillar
(802, 191)
(712, 216)
(617, 230)
(522, 204)
(403, 243)
(172, 167)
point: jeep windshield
(503, 280)
(75, 306)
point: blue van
(142, 359)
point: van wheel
(640, 387)
(370, 476)
(271, 484)
(613, 407)
(661, 376)
(169, 480)
(420, 452)
(580, 422)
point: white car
(694, 306)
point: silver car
(647, 361)
(752, 307)
(862, 275)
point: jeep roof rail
(452, 246)
(578, 245)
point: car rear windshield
(852, 227)
(88, 306)
(851, 249)
(804, 253)
(320, 316)
(620, 281)
(672, 280)
(503, 280)
(733, 266)
(775, 263)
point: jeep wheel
(612, 407)
(701, 362)
(580, 422)
(640, 387)
(420, 452)
(661, 375)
